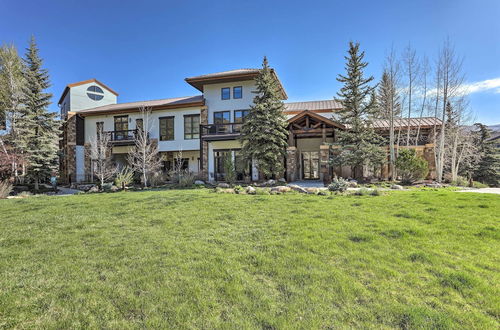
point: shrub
(5, 189)
(230, 174)
(376, 192)
(186, 179)
(476, 184)
(410, 166)
(124, 178)
(238, 189)
(460, 182)
(338, 185)
(157, 178)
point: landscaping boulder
(434, 185)
(352, 184)
(223, 185)
(269, 183)
(282, 180)
(281, 189)
(312, 190)
(83, 187)
(297, 188)
(322, 192)
(250, 190)
(397, 187)
(93, 189)
(114, 188)
(199, 182)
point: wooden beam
(323, 132)
(318, 131)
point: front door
(310, 165)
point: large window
(167, 128)
(222, 117)
(139, 124)
(191, 127)
(239, 116)
(121, 127)
(225, 93)
(237, 92)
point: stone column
(428, 154)
(291, 164)
(324, 161)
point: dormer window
(225, 93)
(95, 93)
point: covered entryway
(309, 139)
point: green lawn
(196, 259)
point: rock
(281, 189)
(84, 187)
(227, 191)
(434, 185)
(270, 182)
(94, 189)
(352, 184)
(114, 188)
(282, 180)
(250, 190)
(223, 185)
(397, 187)
(297, 188)
(199, 182)
(312, 190)
(322, 192)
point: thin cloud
(483, 86)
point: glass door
(310, 165)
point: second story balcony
(214, 132)
(126, 137)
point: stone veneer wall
(203, 171)
(68, 147)
(291, 164)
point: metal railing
(126, 135)
(221, 129)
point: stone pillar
(429, 156)
(291, 164)
(324, 162)
(87, 163)
(203, 170)
(67, 146)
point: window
(191, 127)
(239, 116)
(222, 117)
(225, 93)
(167, 128)
(237, 92)
(168, 165)
(95, 93)
(121, 127)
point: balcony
(122, 138)
(216, 132)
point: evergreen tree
(487, 169)
(38, 126)
(360, 144)
(263, 133)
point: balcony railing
(221, 129)
(122, 136)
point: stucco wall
(79, 99)
(178, 143)
(213, 100)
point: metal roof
(171, 102)
(404, 122)
(313, 105)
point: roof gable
(95, 81)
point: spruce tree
(263, 133)
(38, 126)
(360, 144)
(487, 169)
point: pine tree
(360, 144)
(487, 169)
(263, 133)
(38, 126)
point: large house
(205, 127)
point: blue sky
(145, 49)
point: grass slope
(195, 259)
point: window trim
(191, 135)
(173, 128)
(222, 93)
(241, 92)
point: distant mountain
(495, 128)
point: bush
(338, 185)
(410, 166)
(5, 189)
(186, 179)
(238, 189)
(157, 178)
(376, 192)
(476, 184)
(362, 192)
(124, 178)
(460, 182)
(230, 174)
